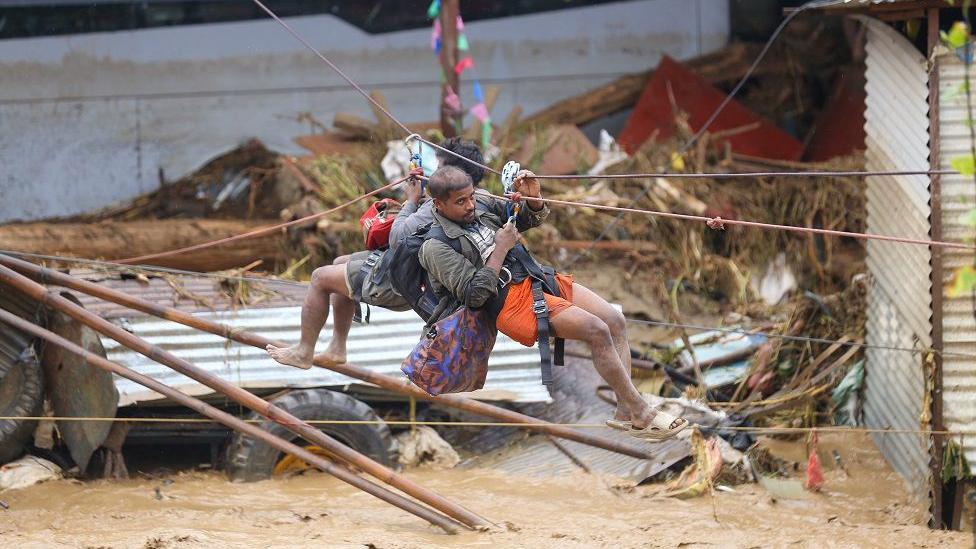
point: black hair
(446, 180)
(467, 149)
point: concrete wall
(89, 120)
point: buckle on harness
(504, 281)
(540, 308)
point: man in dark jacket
(345, 283)
(473, 276)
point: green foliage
(965, 165)
(963, 282)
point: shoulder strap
(437, 232)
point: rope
(733, 175)
(719, 223)
(262, 231)
(333, 65)
(486, 424)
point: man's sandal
(620, 424)
(662, 427)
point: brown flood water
(197, 509)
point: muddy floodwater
(863, 507)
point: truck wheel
(250, 460)
(21, 395)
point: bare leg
(343, 309)
(315, 311)
(590, 302)
(575, 323)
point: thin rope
(742, 81)
(719, 223)
(734, 175)
(265, 230)
(333, 65)
(486, 424)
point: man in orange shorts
(483, 275)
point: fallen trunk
(232, 422)
(117, 240)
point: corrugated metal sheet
(958, 197)
(188, 294)
(380, 346)
(899, 301)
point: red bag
(377, 221)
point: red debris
(815, 476)
(699, 99)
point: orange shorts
(516, 319)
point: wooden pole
(398, 385)
(234, 423)
(243, 397)
(449, 58)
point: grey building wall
(88, 120)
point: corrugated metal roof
(188, 294)
(380, 345)
(899, 300)
(958, 197)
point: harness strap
(559, 349)
(371, 260)
(541, 311)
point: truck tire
(21, 395)
(251, 460)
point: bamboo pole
(243, 397)
(234, 423)
(397, 385)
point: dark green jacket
(464, 274)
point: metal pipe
(243, 397)
(398, 385)
(234, 423)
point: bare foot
(643, 418)
(295, 355)
(331, 357)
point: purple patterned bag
(452, 356)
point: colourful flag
(486, 133)
(480, 111)
(479, 96)
(435, 36)
(464, 65)
(434, 9)
(463, 43)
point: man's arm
(532, 211)
(471, 286)
(411, 218)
